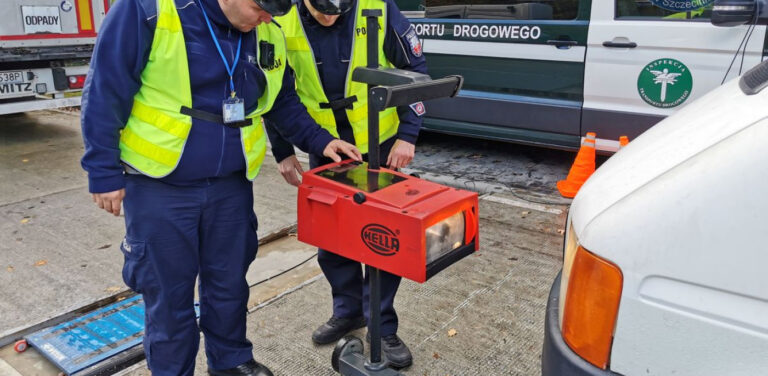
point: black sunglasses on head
(275, 7)
(332, 7)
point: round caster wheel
(345, 346)
(20, 346)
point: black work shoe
(249, 368)
(395, 350)
(336, 328)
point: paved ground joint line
(285, 293)
(45, 195)
(522, 204)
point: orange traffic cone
(623, 141)
(582, 168)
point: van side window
(503, 9)
(646, 10)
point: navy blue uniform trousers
(175, 233)
(349, 286)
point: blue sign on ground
(85, 341)
(682, 5)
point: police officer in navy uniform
(326, 41)
(171, 118)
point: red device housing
(380, 218)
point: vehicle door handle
(560, 43)
(611, 44)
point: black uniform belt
(340, 103)
(213, 118)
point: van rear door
(523, 64)
(644, 62)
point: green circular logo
(665, 83)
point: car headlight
(590, 292)
(445, 236)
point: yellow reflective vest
(310, 89)
(154, 136)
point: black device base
(348, 359)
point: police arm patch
(414, 43)
(418, 108)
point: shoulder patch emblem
(413, 41)
(418, 108)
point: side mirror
(733, 12)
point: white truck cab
(665, 255)
(546, 72)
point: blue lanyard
(231, 71)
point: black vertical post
(372, 28)
(374, 274)
(374, 290)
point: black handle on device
(392, 96)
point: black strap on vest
(344, 103)
(213, 118)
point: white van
(666, 257)
(546, 72)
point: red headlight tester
(385, 219)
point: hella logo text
(380, 239)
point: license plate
(13, 84)
(11, 77)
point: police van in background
(545, 72)
(45, 49)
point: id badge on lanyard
(232, 108)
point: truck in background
(545, 72)
(45, 49)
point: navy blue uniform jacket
(212, 150)
(332, 47)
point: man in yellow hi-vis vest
(171, 120)
(326, 41)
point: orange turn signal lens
(591, 307)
